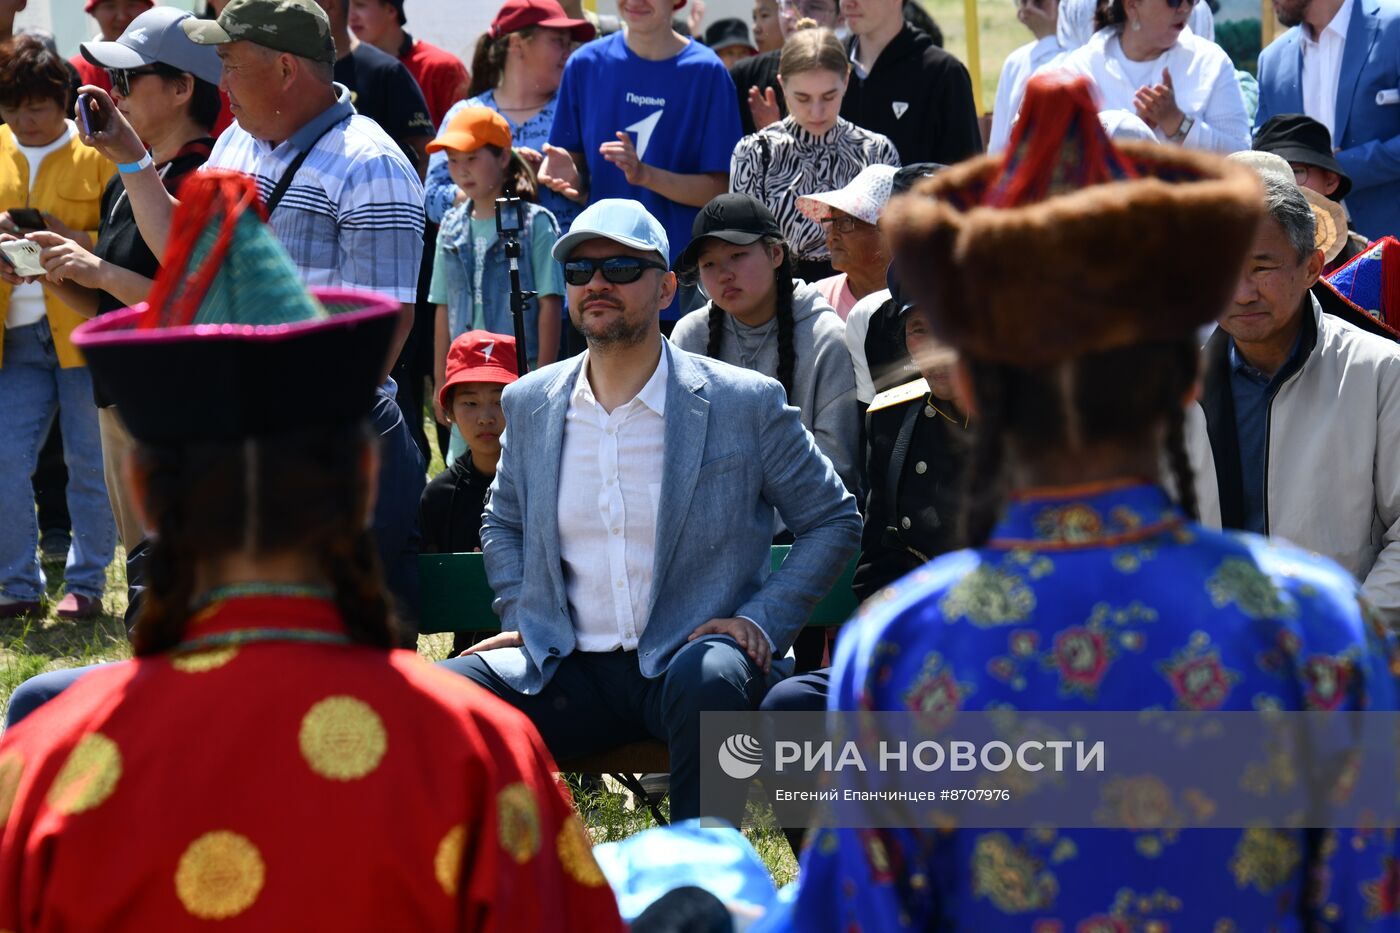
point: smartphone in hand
(27, 218)
(90, 115)
(23, 257)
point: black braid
(787, 355)
(1182, 475)
(165, 606)
(353, 567)
(716, 342)
(982, 500)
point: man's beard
(618, 332)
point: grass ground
(30, 647)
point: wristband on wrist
(128, 168)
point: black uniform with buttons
(917, 446)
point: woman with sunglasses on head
(171, 101)
(758, 317)
(812, 149)
(1145, 60)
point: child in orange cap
(471, 274)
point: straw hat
(1331, 234)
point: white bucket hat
(864, 198)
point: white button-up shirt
(609, 491)
(1322, 68)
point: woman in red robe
(268, 760)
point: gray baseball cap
(156, 36)
(298, 27)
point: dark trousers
(51, 484)
(801, 693)
(597, 701)
(415, 362)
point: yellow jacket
(69, 185)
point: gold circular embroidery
(197, 662)
(447, 864)
(220, 875)
(89, 775)
(576, 854)
(11, 767)
(342, 738)
(519, 822)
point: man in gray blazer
(627, 532)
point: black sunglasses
(1178, 4)
(121, 78)
(619, 270)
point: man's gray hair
(1288, 206)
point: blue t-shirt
(682, 115)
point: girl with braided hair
(1089, 586)
(267, 742)
(758, 317)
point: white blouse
(1203, 76)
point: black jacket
(916, 518)
(760, 71)
(449, 513)
(920, 97)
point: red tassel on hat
(1057, 145)
(202, 196)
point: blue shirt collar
(1096, 515)
(340, 110)
(1240, 366)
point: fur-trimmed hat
(1069, 244)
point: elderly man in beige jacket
(1297, 433)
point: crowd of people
(741, 323)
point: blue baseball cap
(618, 219)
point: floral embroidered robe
(1107, 598)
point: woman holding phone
(171, 100)
(45, 167)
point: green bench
(456, 597)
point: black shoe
(54, 544)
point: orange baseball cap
(472, 128)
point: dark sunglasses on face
(1178, 4)
(121, 78)
(619, 270)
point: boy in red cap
(479, 365)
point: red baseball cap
(479, 356)
(92, 5)
(515, 15)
